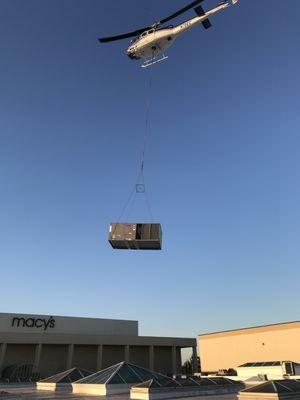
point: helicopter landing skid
(153, 61)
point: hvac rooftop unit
(135, 236)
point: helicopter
(151, 42)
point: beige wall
(269, 343)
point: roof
(253, 329)
(148, 384)
(276, 386)
(127, 373)
(266, 364)
(261, 364)
(189, 382)
(153, 383)
(68, 376)
(195, 381)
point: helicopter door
(139, 228)
(289, 368)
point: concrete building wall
(50, 359)
(53, 360)
(224, 350)
(163, 359)
(85, 357)
(139, 355)
(112, 355)
(18, 354)
(52, 347)
(29, 323)
(178, 360)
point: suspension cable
(141, 178)
(147, 122)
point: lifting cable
(147, 124)
(139, 186)
(146, 135)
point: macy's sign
(19, 322)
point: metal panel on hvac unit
(135, 236)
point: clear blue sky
(222, 165)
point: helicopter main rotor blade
(183, 10)
(124, 35)
(156, 24)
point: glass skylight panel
(148, 384)
(99, 377)
(144, 374)
(221, 381)
(172, 384)
(117, 379)
(195, 379)
(291, 384)
(186, 382)
(102, 378)
(165, 380)
(69, 376)
(206, 382)
(56, 378)
(129, 375)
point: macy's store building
(47, 345)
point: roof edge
(250, 328)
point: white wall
(254, 371)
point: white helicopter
(152, 41)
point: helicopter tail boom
(200, 12)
